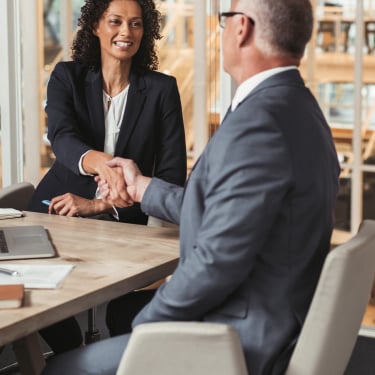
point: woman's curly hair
(86, 46)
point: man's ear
(245, 31)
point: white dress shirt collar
(247, 86)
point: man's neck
(261, 63)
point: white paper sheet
(33, 276)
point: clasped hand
(129, 189)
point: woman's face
(120, 30)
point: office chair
(331, 327)
(16, 195)
(183, 348)
(370, 36)
(325, 344)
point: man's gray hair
(281, 26)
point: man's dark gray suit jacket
(152, 131)
(256, 217)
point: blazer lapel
(94, 102)
(134, 106)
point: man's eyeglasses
(224, 15)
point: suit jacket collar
(94, 103)
(249, 84)
(134, 105)
(289, 77)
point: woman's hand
(95, 162)
(73, 205)
(135, 184)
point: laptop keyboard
(3, 243)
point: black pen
(9, 272)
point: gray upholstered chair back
(331, 327)
(16, 195)
(183, 348)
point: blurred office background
(339, 67)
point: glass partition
(339, 67)
(343, 78)
(176, 57)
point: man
(256, 214)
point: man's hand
(95, 162)
(73, 205)
(135, 182)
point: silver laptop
(25, 242)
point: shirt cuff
(80, 167)
(115, 215)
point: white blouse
(114, 108)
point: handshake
(121, 183)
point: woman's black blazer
(152, 131)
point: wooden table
(111, 259)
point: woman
(109, 101)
